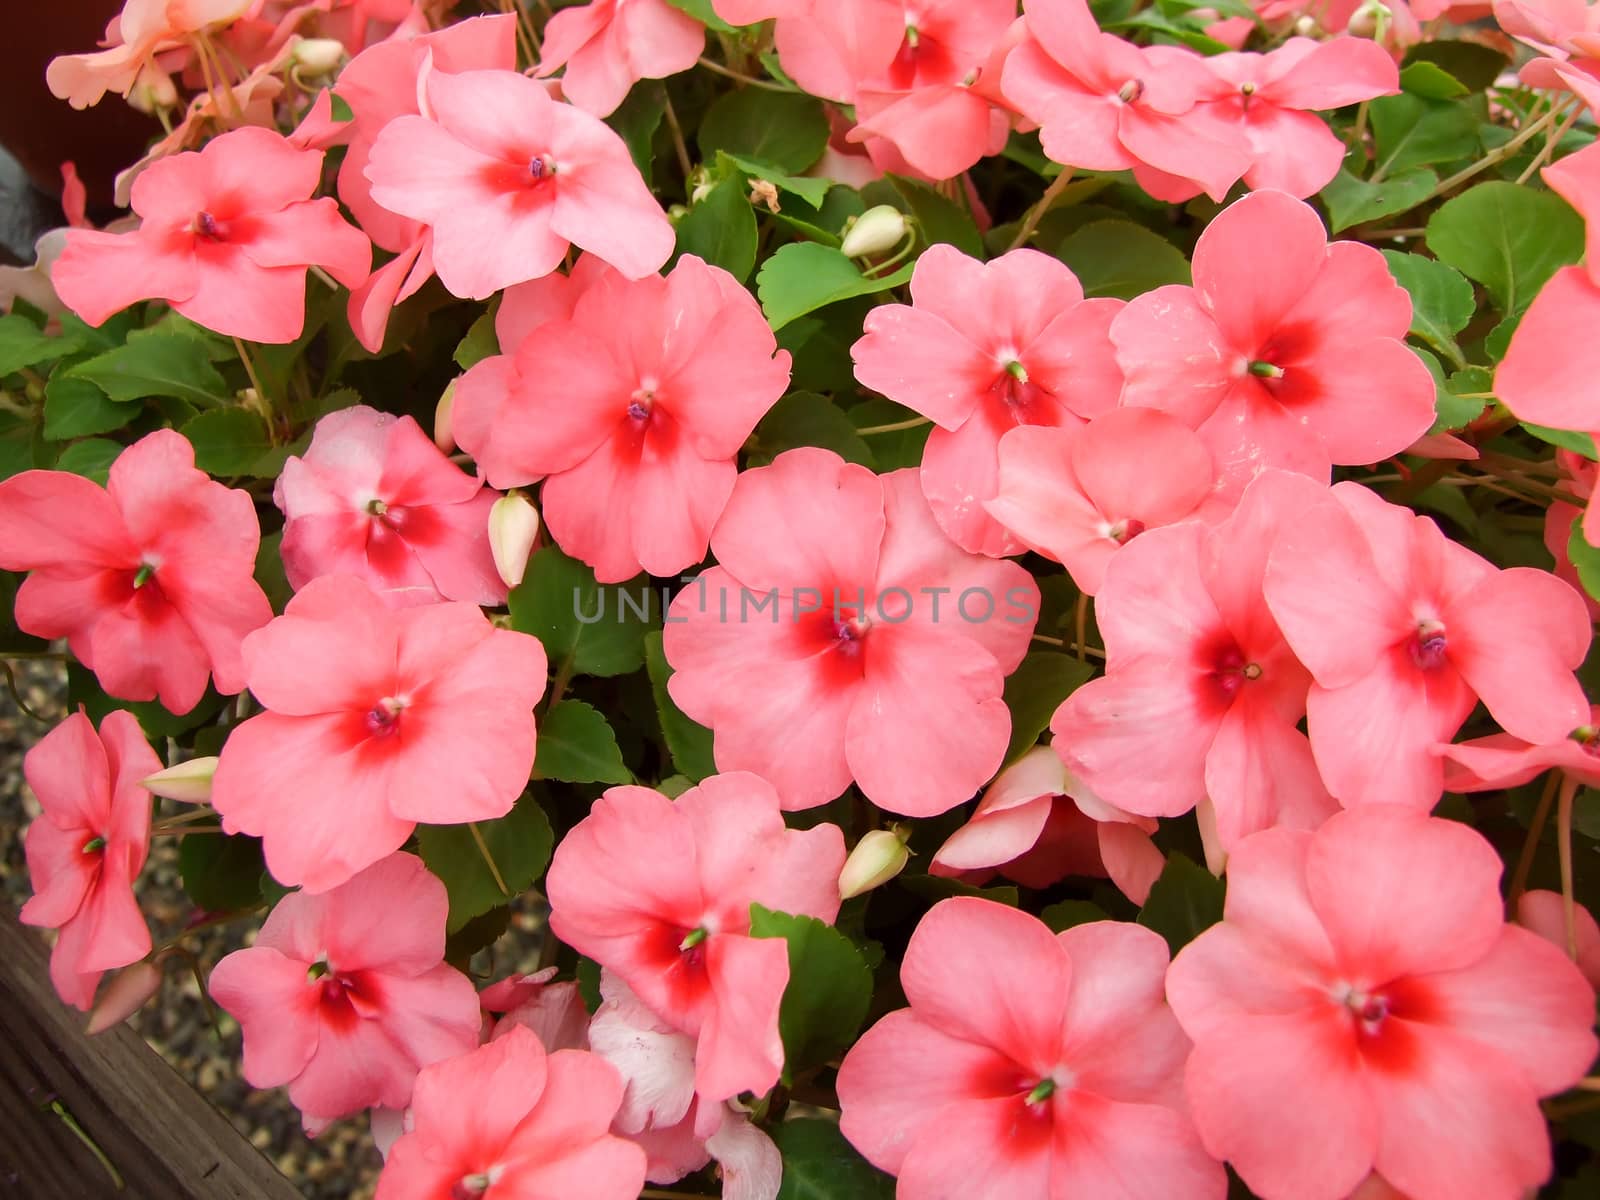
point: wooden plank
(155, 1132)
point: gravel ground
(341, 1164)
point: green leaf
(75, 408)
(1567, 439)
(91, 458)
(22, 445)
(479, 343)
(1509, 238)
(934, 888)
(1441, 299)
(228, 441)
(1183, 902)
(1586, 559)
(812, 191)
(803, 277)
(164, 364)
(594, 630)
(576, 745)
(830, 988)
(1065, 914)
(899, 448)
(1035, 690)
(787, 129)
(83, 688)
(221, 874)
(483, 931)
(1432, 82)
(1410, 131)
(1121, 259)
(23, 345)
(807, 419)
(1475, 65)
(519, 843)
(636, 120)
(702, 11)
(688, 742)
(721, 228)
(819, 1164)
(1462, 399)
(1353, 201)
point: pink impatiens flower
(1404, 630)
(149, 579)
(1286, 352)
(1201, 697)
(982, 349)
(135, 37)
(1104, 104)
(511, 1120)
(851, 641)
(88, 846)
(1078, 495)
(376, 719)
(1029, 1064)
(609, 45)
(345, 995)
(374, 498)
(227, 237)
(635, 408)
(498, 154)
(1504, 761)
(659, 892)
(1364, 1007)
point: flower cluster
(921, 543)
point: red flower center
(1428, 645)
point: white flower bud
(318, 56)
(877, 858)
(513, 530)
(189, 781)
(875, 231)
(130, 990)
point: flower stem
(894, 426)
(1530, 845)
(748, 80)
(483, 849)
(1569, 789)
(1031, 219)
(1499, 153)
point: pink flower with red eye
(1078, 495)
(1404, 631)
(849, 646)
(496, 152)
(1364, 1007)
(634, 409)
(1037, 354)
(510, 1120)
(1104, 104)
(227, 236)
(87, 846)
(1037, 825)
(377, 719)
(343, 996)
(150, 579)
(1275, 353)
(1272, 100)
(1029, 1064)
(607, 46)
(373, 497)
(659, 892)
(380, 84)
(1201, 698)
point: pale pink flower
(552, 1010)
(1029, 1064)
(377, 719)
(150, 579)
(1364, 1007)
(134, 38)
(87, 846)
(343, 996)
(982, 349)
(851, 644)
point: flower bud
(513, 530)
(443, 430)
(318, 56)
(1371, 20)
(152, 91)
(877, 858)
(875, 231)
(189, 781)
(130, 990)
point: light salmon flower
(510, 1118)
(373, 497)
(88, 846)
(1404, 631)
(1502, 760)
(1276, 352)
(552, 1010)
(377, 719)
(150, 579)
(1029, 1064)
(344, 996)
(848, 647)
(227, 237)
(607, 46)
(135, 37)
(1545, 913)
(1364, 1007)
(659, 892)
(499, 154)
(982, 349)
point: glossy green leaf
(1410, 131)
(229, 442)
(166, 364)
(819, 1164)
(1509, 238)
(807, 419)
(688, 742)
(518, 844)
(1353, 201)
(721, 228)
(1184, 902)
(1121, 259)
(1441, 299)
(598, 630)
(787, 129)
(803, 277)
(830, 988)
(577, 745)
(74, 408)
(1035, 690)
(220, 873)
